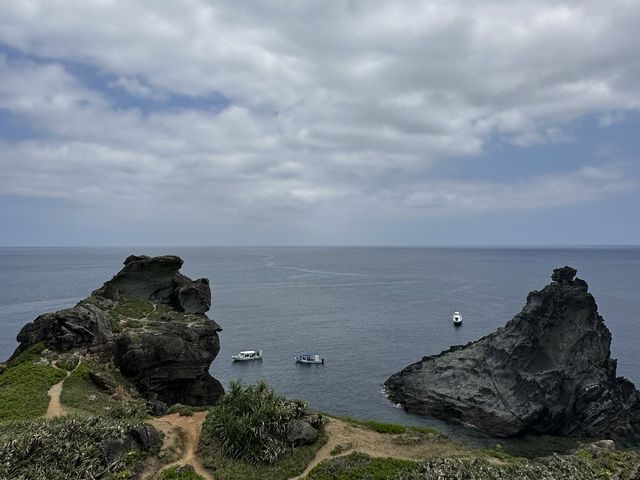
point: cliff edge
(548, 370)
(149, 320)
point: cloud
(348, 105)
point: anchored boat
(457, 318)
(247, 355)
(309, 358)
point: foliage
(251, 422)
(391, 428)
(358, 465)
(31, 354)
(23, 389)
(131, 307)
(185, 410)
(64, 447)
(603, 466)
(173, 474)
(294, 462)
(80, 395)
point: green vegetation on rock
(390, 428)
(24, 386)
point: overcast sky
(319, 122)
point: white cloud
(347, 105)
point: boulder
(103, 381)
(300, 432)
(547, 371)
(142, 438)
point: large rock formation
(548, 370)
(150, 321)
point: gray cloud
(332, 105)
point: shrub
(251, 422)
(64, 447)
(174, 474)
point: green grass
(63, 448)
(80, 395)
(31, 354)
(131, 307)
(292, 463)
(23, 390)
(172, 474)
(390, 428)
(357, 466)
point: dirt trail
(191, 426)
(406, 446)
(55, 407)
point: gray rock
(166, 360)
(142, 438)
(157, 408)
(184, 469)
(300, 432)
(103, 381)
(548, 370)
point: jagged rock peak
(158, 280)
(548, 370)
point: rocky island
(548, 370)
(149, 321)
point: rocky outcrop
(548, 370)
(149, 320)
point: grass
(292, 463)
(173, 474)
(63, 448)
(391, 428)
(80, 395)
(360, 466)
(23, 389)
(131, 307)
(31, 354)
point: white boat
(247, 355)
(457, 318)
(309, 358)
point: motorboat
(247, 355)
(309, 358)
(457, 318)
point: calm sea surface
(368, 311)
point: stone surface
(548, 370)
(142, 438)
(300, 432)
(165, 346)
(103, 381)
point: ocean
(368, 311)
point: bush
(173, 474)
(251, 422)
(64, 447)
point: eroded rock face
(150, 321)
(548, 370)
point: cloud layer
(264, 110)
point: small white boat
(309, 358)
(457, 318)
(247, 355)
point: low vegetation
(174, 473)
(24, 386)
(583, 466)
(391, 428)
(63, 448)
(244, 435)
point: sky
(267, 122)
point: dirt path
(55, 407)
(406, 446)
(191, 426)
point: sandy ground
(55, 407)
(408, 446)
(191, 426)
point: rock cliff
(149, 320)
(548, 370)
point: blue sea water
(368, 311)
